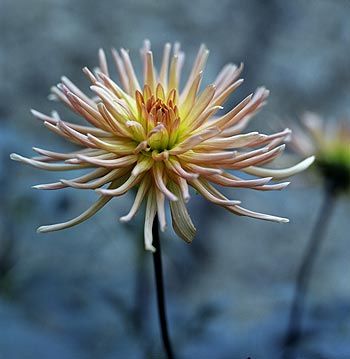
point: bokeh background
(88, 292)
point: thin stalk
(157, 260)
(293, 333)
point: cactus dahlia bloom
(161, 139)
(330, 142)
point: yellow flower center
(158, 119)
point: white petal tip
(124, 219)
(284, 220)
(15, 157)
(150, 248)
(34, 112)
(42, 229)
(309, 161)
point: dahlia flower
(160, 140)
(330, 142)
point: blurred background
(88, 291)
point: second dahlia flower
(330, 142)
(160, 140)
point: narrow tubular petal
(198, 67)
(141, 192)
(221, 97)
(150, 77)
(160, 199)
(174, 75)
(115, 126)
(121, 70)
(103, 62)
(125, 147)
(205, 189)
(82, 179)
(242, 211)
(41, 116)
(275, 138)
(266, 217)
(230, 118)
(132, 79)
(48, 166)
(194, 116)
(174, 165)
(92, 78)
(238, 141)
(116, 163)
(56, 156)
(73, 88)
(258, 159)
(163, 74)
(202, 171)
(184, 189)
(59, 94)
(75, 135)
(110, 176)
(202, 122)
(226, 181)
(256, 100)
(194, 140)
(117, 91)
(272, 187)
(59, 132)
(115, 108)
(224, 74)
(187, 103)
(53, 120)
(144, 164)
(280, 173)
(105, 156)
(240, 156)
(88, 112)
(151, 210)
(226, 78)
(126, 186)
(157, 171)
(139, 133)
(102, 201)
(207, 157)
(181, 220)
(50, 186)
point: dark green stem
(293, 333)
(157, 260)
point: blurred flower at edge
(330, 143)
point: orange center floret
(159, 117)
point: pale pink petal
(157, 172)
(141, 192)
(181, 220)
(206, 190)
(280, 173)
(48, 166)
(151, 210)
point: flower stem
(293, 333)
(157, 260)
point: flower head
(160, 140)
(330, 142)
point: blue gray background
(88, 292)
